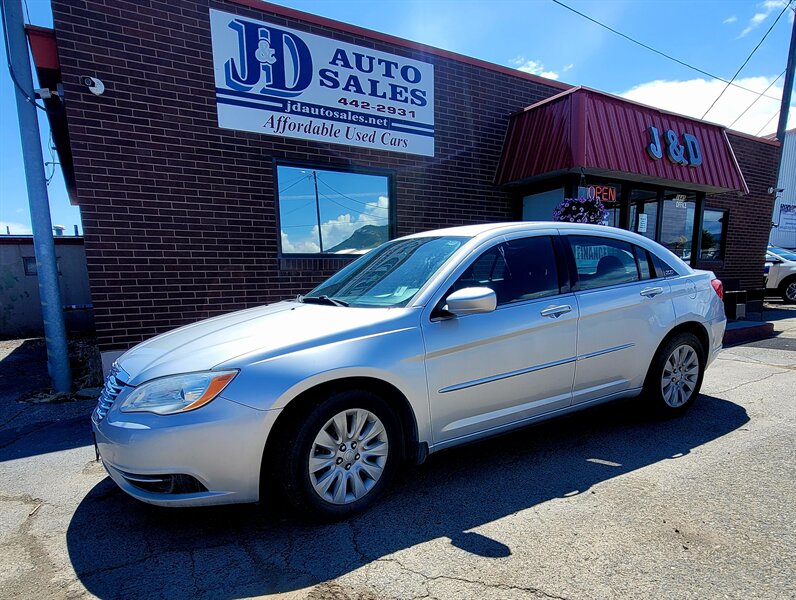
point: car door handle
(556, 311)
(651, 292)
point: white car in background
(780, 273)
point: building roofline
(391, 39)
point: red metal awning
(609, 136)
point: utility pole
(43, 244)
(787, 90)
(318, 209)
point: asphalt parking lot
(603, 504)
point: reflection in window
(714, 224)
(677, 224)
(332, 212)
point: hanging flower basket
(581, 210)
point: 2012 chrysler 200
(423, 343)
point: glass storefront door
(677, 223)
(644, 213)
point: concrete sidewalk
(779, 321)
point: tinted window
(517, 270)
(714, 226)
(602, 261)
(645, 269)
(662, 268)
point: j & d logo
(274, 60)
(688, 153)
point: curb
(748, 333)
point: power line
(350, 198)
(295, 183)
(748, 58)
(353, 210)
(651, 49)
(767, 124)
(770, 85)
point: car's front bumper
(219, 445)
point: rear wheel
(675, 375)
(339, 459)
(787, 289)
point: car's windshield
(388, 276)
(782, 253)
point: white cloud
(339, 229)
(15, 228)
(693, 97)
(534, 67)
(730, 19)
(765, 9)
(19, 210)
(567, 67)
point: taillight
(718, 288)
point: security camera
(94, 85)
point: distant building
(783, 233)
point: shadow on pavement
(30, 429)
(121, 548)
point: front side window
(714, 226)
(389, 276)
(322, 211)
(517, 270)
(601, 262)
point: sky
(537, 36)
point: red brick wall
(179, 215)
(749, 215)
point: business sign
(787, 217)
(605, 193)
(279, 81)
(688, 153)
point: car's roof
(471, 231)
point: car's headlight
(177, 393)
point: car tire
(330, 474)
(787, 289)
(675, 376)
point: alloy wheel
(348, 456)
(790, 291)
(680, 375)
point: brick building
(241, 151)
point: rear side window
(601, 262)
(517, 270)
(645, 267)
(662, 268)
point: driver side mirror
(471, 301)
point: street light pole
(43, 244)
(788, 89)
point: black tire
(654, 392)
(298, 443)
(788, 295)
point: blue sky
(537, 36)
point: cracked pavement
(602, 504)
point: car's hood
(239, 338)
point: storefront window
(677, 224)
(332, 212)
(714, 226)
(644, 212)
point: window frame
(574, 275)
(392, 212)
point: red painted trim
(292, 13)
(43, 47)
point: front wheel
(341, 457)
(675, 375)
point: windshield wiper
(322, 300)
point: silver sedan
(426, 342)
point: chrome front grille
(114, 384)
